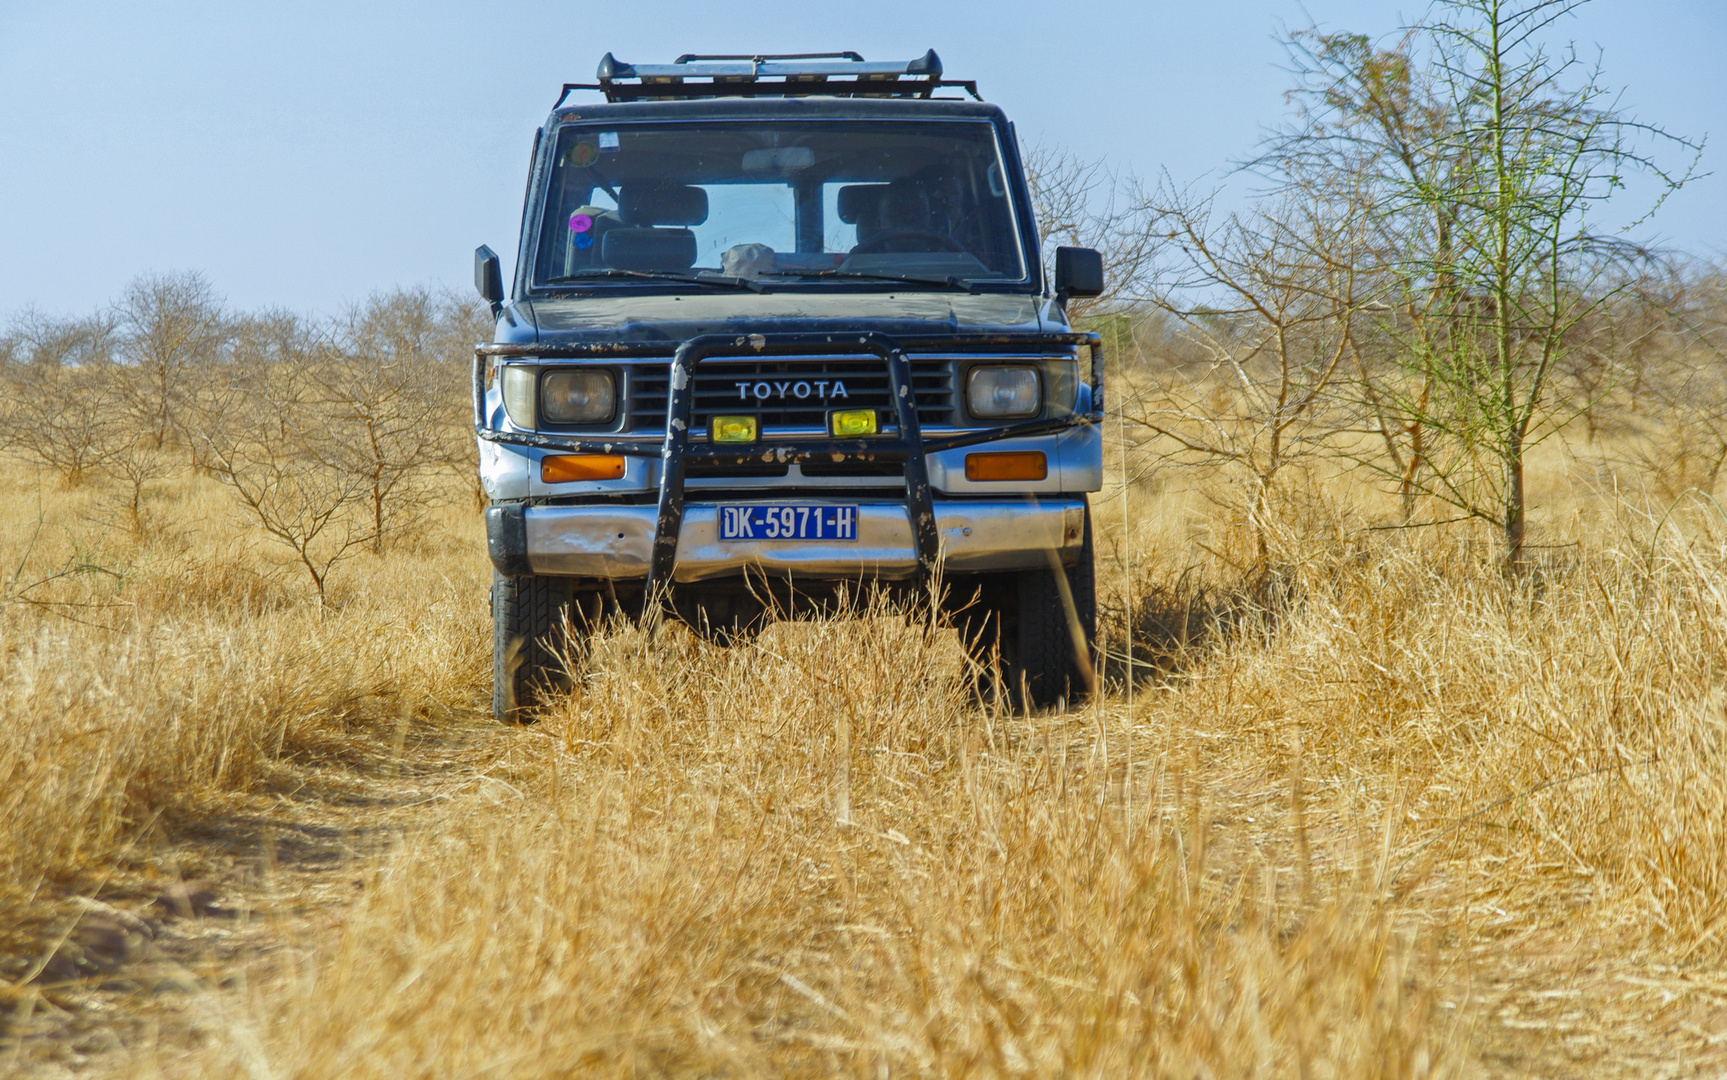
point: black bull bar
(908, 447)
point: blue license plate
(787, 522)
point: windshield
(794, 201)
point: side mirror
(488, 278)
(1078, 272)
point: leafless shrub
(392, 422)
(1083, 202)
(257, 429)
(68, 419)
(134, 464)
(1281, 294)
(170, 323)
(1615, 347)
(1675, 407)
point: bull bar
(906, 447)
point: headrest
(904, 206)
(859, 201)
(662, 204)
(649, 249)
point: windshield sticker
(584, 153)
(580, 222)
(583, 241)
(608, 140)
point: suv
(780, 334)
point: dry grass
(1382, 813)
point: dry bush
(62, 395)
(1672, 396)
(1285, 294)
(263, 431)
(331, 436)
(1081, 202)
(336, 438)
(67, 419)
(170, 325)
(393, 390)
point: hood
(676, 317)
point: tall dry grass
(150, 686)
(812, 856)
(1375, 810)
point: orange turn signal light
(566, 468)
(1007, 465)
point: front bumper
(514, 535)
(610, 541)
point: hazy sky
(304, 154)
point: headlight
(578, 397)
(1003, 392)
(518, 391)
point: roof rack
(840, 74)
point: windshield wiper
(702, 277)
(952, 281)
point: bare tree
(1081, 202)
(1272, 297)
(64, 418)
(253, 424)
(274, 336)
(171, 323)
(62, 395)
(1373, 118)
(1678, 377)
(43, 341)
(384, 430)
(386, 388)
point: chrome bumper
(617, 541)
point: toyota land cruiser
(779, 330)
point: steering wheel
(878, 244)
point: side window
(584, 217)
(836, 234)
(746, 214)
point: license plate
(785, 522)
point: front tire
(1043, 638)
(529, 640)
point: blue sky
(302, 155)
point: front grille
(790, 393)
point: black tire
(1048, 664)
(984, 609)
(1026, 618)
(527, 640)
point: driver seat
(903, 207)
(876, 209)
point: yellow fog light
(568, 468)
(732, 429)
(848, 423)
